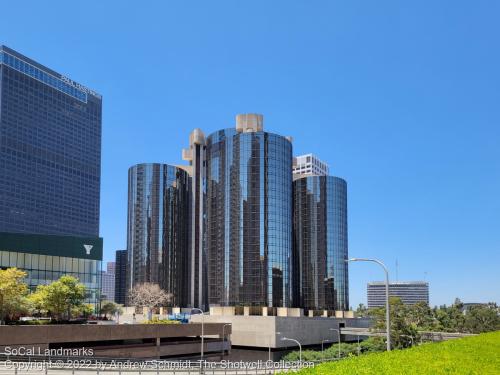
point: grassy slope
(471, 355)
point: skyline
(408, 197)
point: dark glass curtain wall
(320, 243)
(158, 224)
(249, 218)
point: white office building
(108, 282)
(309, 165)
(410, 292)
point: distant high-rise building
(320, 276)
(50, 172)
(197, 266)
(410, 292)
(249, 215)
(108, 282)
(158, 228)
(121, 277)
(307, 165)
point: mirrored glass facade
(50, 150)
(320, 243)
(248, 218)
(158, 228)
(50, 174)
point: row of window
(42, 76)
(49, 263)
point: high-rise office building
(227, 238)
(158, 224)
(197, 266)
(50, 155)
(410, 292)
(121, 277)
(249, 215)
(50, 169)
(108, 282)
(320, 276)
(309, 165)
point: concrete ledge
(44, 334)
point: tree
(148, 295)
(480, 319)
(421, 316)
(13, 293)
(450, 319)
(403, 331)
(61, 296)
(362, 311)
(111, 308)
(37, 303)
(85, 310)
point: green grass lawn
(471, 355)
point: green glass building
(46, 258)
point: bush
(372, 344)
(156, 320)
(470, 355)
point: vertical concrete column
(158, 344)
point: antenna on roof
(397, 265)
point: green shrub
(370, 345)
(156, 320)
(471, 355)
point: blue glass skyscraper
(249, 216)
(320, 243)
(50, 174)
(50, 150)
(158, 229)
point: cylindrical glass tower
(320, 243)
(158, 227)
(249, 216)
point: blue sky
(400, 98)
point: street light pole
(387, 313)
(338, 332)
(224, 336)
(300, 346)
(202, 329)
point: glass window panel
(69, 265)
(4, 258)
(27, 261)
(20, 260)
(12, 259)
(87, 266)
(34, 261)
(48, 262)
(75, 264)
(55, 263)
(41, 262)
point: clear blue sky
(401, 98)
